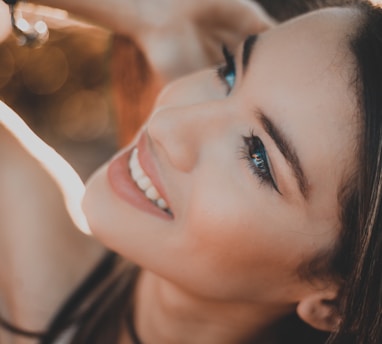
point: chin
(97, 203)
(119, 226)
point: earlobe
(320, 311)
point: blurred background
(61, 89)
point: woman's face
(250, 164)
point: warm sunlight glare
(63, 174)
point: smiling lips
(133, 176)
(144, 182)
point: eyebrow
(287, 151)
(248, 47)
(276, 135)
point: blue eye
(254, 152)
(259, 159)
(230, 78)
(227, 72)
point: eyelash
(227, 70)
(258, 163)
(253, 151)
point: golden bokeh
(61, 88)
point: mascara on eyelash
(265, 176)
(229, 58)
(227, 69)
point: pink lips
(124, 186)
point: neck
(164, 313)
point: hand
(5, 21)
(179, 37)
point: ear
(319, 310)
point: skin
(43, 256)
(224, 269)
(37, 257)
(177, 37)
(5, 22)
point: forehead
(300, 75)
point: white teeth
(134, 156)
(135, 169)
(152, 193)
(137, 173)
(144, 182)
(162, 203)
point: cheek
(246, 246)
(193, 89)
(221, 228)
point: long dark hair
(360, 251)
(283, 10)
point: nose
(186, 133)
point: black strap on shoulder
(18, 331)
(10, 2)
(64, 317)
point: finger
(241, 15)
(5, 22)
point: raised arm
(39, 212)
(130, 16)
(177, 37)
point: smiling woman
(240, 203)
(220, 258)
